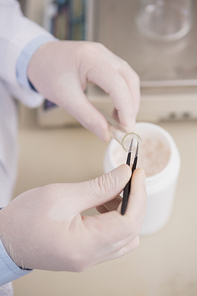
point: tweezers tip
(130, 148)
(137, 149)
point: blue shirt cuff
(25, 56)
(9, 271)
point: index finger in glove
(115, 83)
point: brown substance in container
(153, 156)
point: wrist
(35, 63)
(25, 56)
(4, 237)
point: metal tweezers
(127, 188)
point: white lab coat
(16, 32)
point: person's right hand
(43, 228)
(61, 70)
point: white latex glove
(60, 72)
(43, 228)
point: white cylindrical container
(160, 159)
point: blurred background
(165, 263)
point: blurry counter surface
(165, 263)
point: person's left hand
(44, 228)
(60, 70)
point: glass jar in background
(165, 20)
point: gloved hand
(43, 228)
(60, 72)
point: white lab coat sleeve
(9, 271)
(16, 32)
